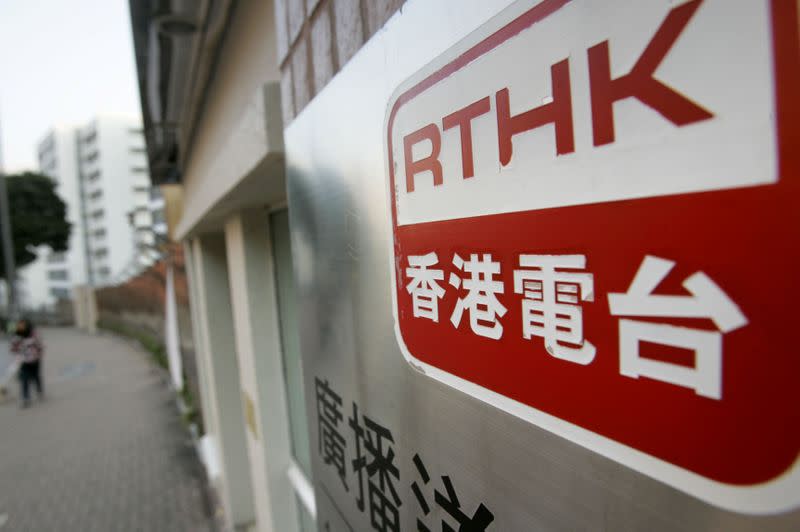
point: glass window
(56, 256)
(58, 275)
(306, 522)
(287, 319)
(60, 293)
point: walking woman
(28, 348)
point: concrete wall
(233, 177)
(65, 172)
(230, 139)
(221, 374)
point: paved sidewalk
(105, 451)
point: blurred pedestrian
(28, 349)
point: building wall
(102, 176)
(57, 158)
(316, 38)
(116, 197)
(32, 285)
(234, 101)
(234, 148)
(339, 217)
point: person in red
(28, 348)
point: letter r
(430, 163)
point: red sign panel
(595, 218)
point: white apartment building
(57, 155)
(102, 175)
(116, 198)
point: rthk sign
(595, 217)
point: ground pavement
(105, 451)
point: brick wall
(316, 38)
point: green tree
(38, 217)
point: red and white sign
(595, 219)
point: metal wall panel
(526, 477)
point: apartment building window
(103, 272)
(91, 157)
(47, 162)
(98, 213)
(100, 253)
(155, 193)
(158, 216)
(59, 292)
(139, 170)
(93, 176)
(99, 233)
(58, 275)
(90, 136)
(97, 194)
(292, 366)
(47, 145)
(144, 234)
(138, 149)
(56, 256)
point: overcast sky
(61, 62)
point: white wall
(57, 159)
(32, 287)
(120, 189)
(68, 189)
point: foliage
(38, 217)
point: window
(58, 275)
(139, 170)
(155, 193)
(292, 362)
(158, 216)
(48, 163)
(47, 145)
(96, 194)
(97, 214)
(138, 149)
(90, 135)
(99, 233)
(60, 293)
(100, 253)
(56, 256)
(91, 157)
(93, 176)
